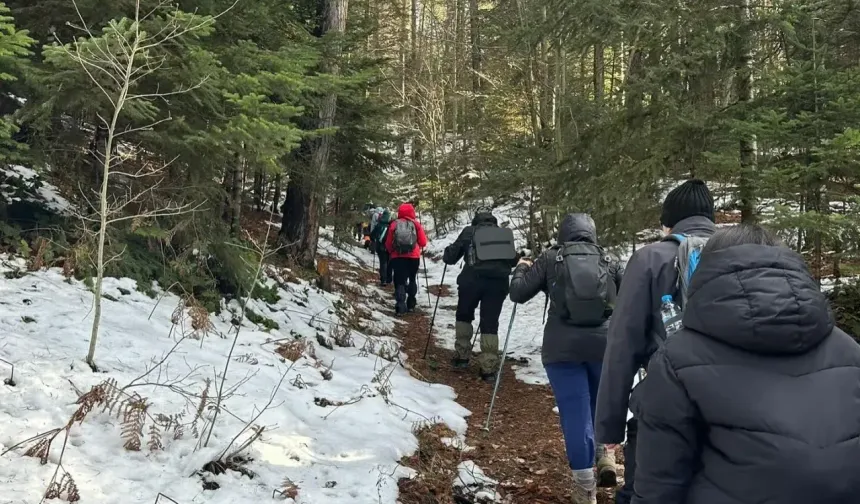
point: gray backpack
(405, 236)
(491, 244)
(584, 290)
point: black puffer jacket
(457, 250)
(561, 341)
(757, 400)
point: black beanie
(689, 199)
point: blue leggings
(574, 385)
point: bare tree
(117, 60)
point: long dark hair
(742, 234)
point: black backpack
(584, 290)
(405, 236)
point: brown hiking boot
(607, 474)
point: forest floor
(524, 449)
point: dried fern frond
(154, 443)
(105, 394)
(201, 407)
(134, 417)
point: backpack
(686, 261)
(584, 289)
(405, 236)
(491, 244)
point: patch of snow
(42, 192)
(333, 454)
(471, 482)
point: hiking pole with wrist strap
(433, 318)
(501, 367)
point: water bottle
(671, 314)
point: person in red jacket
(404, 241)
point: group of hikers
(748, 392)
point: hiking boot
(607, 475)
(488, 377)
(460, 363)
(584, 487)
(581, 495)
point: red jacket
(406, 212)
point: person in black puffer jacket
(757, 398)
(572, 356)
(486, 285)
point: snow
(41, 191)
(472, 482)
(333, 453)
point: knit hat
(689, 199)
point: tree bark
(236, 197)
(598, 72)
(305, 191)
(743, 89)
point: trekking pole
(501, 367)
(475, 338)
(427, 282)
(433, 318)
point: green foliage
(266, 323)
(14, 48)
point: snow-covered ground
(332, 424)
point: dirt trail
(524, 449)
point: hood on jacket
(484, 218)
(385, 217)
(758, 298)
(577, 227)
(406, 211)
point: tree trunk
(258, 189)
(236, 197)
(305, 191)
(276, 198)
(743, 89)
(598, 73)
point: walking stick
(475, 337)
(501, 367)
(433, 318)
(427, 281)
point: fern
(201, 407)
(133, 419)
(154, 443)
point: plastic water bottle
(671, 314)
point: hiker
(636, 327)
(489, 253)
(580, 281)
(404, 242)
(757, 397)
(378, 235)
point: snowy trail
(332, 454)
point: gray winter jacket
(636, 326)
(562, 342)
(757, 399)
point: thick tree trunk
(305, 191)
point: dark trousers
(405, 283)
(624, 495)
(574, 385)
(385, 265)
(490, 293)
